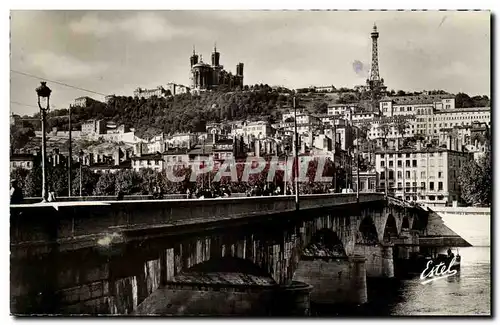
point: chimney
(138, 149)
(116, 157)
(257, 148)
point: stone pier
(334, 280)
(379, 259)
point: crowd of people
(213, 191)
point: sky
(114, 52)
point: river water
(466, 293)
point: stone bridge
(236, 256)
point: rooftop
(417, 99)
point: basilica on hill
(206, 76)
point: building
(84, 101)
(153, 161)
(324, 89)
(257, 130)
(415, 104)
(93, 127)
(206, 76)
(159, 92)
(341, 109)
(176, 89)
(367, 179)
(424, 175)
(25, 161)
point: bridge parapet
(80, 224)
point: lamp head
(43, 93)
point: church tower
(215, 57)
(194, 58)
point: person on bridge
(52, 195)
(16, 194)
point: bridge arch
(226, 270)
(406, 223)
(325, 242)
(367, 233)
(390, 229)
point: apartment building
(425, 175)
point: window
(399, 155)
(391, 174)
(431, 186)
(407, 174)
(382, 163)
(400, 164)
(407, 155)
(440, 174)
(382, 156)
(414, 163)
(391, 163)
(399, 185)
(422, 185)
(440, 186)
(407, 163)
(390, 155)
(382, 175)
(400, 174)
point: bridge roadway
(116, 257)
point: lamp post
(81, 163)
(70, 160)
(43, 93)
(296, 157)
(357, 164)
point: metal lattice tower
(374, 73)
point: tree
(475, 179)
(384, 128)
(401, 126)
(128, 182)
(400, 93)
(463, 101)
(89, 181)
(320, 107)
(20, 136)
(105, 184)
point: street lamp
(43, 93)
(81, 162)
(296, 156)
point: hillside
(181, 113)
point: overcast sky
(114, 52)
